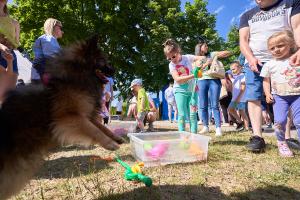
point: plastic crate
(161, 148)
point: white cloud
(219, 9)
(232, 21)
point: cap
(135, 82)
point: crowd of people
(266, 87)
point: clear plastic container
(161, 148)
(122, 128)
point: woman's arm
(223, 54)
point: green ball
(184, 145)
(147, 146)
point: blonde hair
(170, 46)
(49, 25)
(284, 36)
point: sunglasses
(60, 27)
(173, 57)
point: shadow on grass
(188, 192)
(172, 192)
(268, 193)
(230, 142)
(66, 167)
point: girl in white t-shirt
(285, 84)
(181, 69)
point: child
(104, 113)
(180, 68)
(238, 101)
(170, 98)
(142, 102)
(285, 84)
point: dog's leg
(107, 132)
(79, 130)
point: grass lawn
(231, 172)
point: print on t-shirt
(182, 70)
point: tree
(232, 44)
(131, 32)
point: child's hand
(207, 63)
(269, 98)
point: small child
(285, 84)
(238, 101)
(104, 113)
(142, 102)
(170, 98)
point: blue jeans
(213, 87)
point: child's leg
(232, 110)
(288, 125)
(295, 109)
(170, 112)
(193, 113)
(140, 120)
(245, 118)
(281, 109)
(182, 106)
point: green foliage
(232, 44)
(132, 32)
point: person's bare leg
(235, 115)
(244, 118)
(255, 114)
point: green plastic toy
(134, 173)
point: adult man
(256, 26)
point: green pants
(187, 106)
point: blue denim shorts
(238, 106)
(254, 84)
(4, 63)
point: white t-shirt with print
(237, 80)
(183, 68)
(285, 79)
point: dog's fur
(34, 119)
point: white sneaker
(205, 129)
(218, 131)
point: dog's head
(80, 62)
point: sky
(227, 12)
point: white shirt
(183, 68)
(119, 105)
(169, 95)
(237, 80)
(285, 80)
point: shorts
(172, 106)
(254, 84)
(4, 63)
(238, 106)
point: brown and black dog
(34, 119)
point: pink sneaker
(284, 150)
